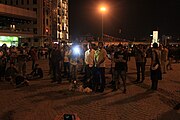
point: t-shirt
(89, 57)
(66, 56)
(121, 65)
(100, 55)
(140, 55)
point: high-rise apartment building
(36, 22)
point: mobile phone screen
(69, 117)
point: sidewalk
(43, 100)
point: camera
(69, 117)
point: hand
(97, 65)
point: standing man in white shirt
(89, 61)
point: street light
(102, 10)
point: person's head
(36, 65)
(11, 64)
(155, 45)
(89, 46)
(4, 46)
(100, 45)
(119, 47)
(55, 46)
(66, 47)
(161, 46)
(140, 46)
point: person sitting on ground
(13, 76)
(11, 73)
(37, 73)
(20, 81)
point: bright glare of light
(76, 50)
(56, 42)
(103, 9)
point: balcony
(15, 11)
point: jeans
(67, 69)
(33, 64)
(73, 72)
(117, 75)
(140, 66)
(99, 79)
(154, 84)
(22, 67)
(88, 72)
(56, 72)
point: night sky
(135, 18)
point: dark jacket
(56, 56)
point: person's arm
(33, 71)
(85, 58)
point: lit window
(12, 26)
(67, 36)
(60, 27)
(58, 34)
(61, 35)
(67, 29)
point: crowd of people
(13, 65)
(93, 57)
(64, 61)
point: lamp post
(102, 10)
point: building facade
(41, 22)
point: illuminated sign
(155, 37)
(9, 40)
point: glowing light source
(155, 38)
(102, 9)
(47, 30)
(76, 50)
